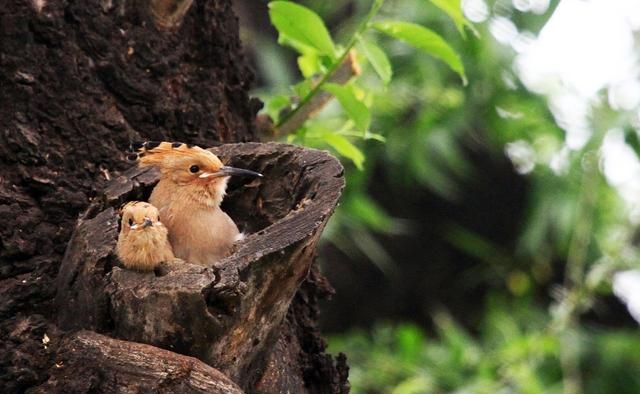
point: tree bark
(90, 362)
(80, 80)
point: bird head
(200, 174)
(140, 219)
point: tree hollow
(228, 315)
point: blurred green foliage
(513, 353)
(414, 116)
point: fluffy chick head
(143, 242)
(201, 175)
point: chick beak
(231, 171)
(147, 222)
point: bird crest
(168, 154)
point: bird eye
(130, 222)
(194, 169)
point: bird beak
(230, 171)
(147, 222)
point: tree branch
(348, 69)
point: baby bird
(193, 182)
(142, 243)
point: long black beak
(231, 171)
(147, 222)
(239, 172)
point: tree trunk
(80, 80)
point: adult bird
(193, 182)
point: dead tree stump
(230, 315)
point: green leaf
(368, 212)
(425, 40)
(378, 60)
(366, 136)
(309, 64)
(274, 105)
(297, 23)
(338, 142)
(374, 136)
(453, 8)
(298, 46)
(303, 87)
(410, 342)
(344, 147)
(355, 108)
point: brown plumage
(193, 182)
(142, 243)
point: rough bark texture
(87, 362)
(79, 80)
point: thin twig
(348, 69)
(343, 67)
